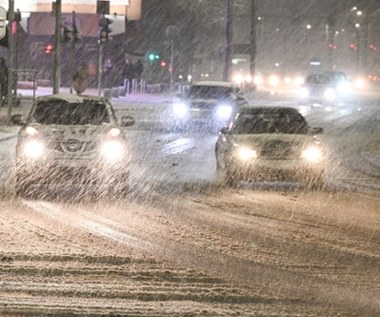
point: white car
(326, 88)
(270, 143)
(72, 141)
(206, 105)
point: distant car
(206, 105)
(326, 88)
(72, 140)
(270, 143)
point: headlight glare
(329, 94)
(224, 112)
(31, 131)
(304, 92)
(114, 132)
(112, 150)
(180, 109)
(33, 149)
(245, 153)
(312, 154)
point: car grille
(203, 105)
(73, 146)
(278, 150)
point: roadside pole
(57, 48)
(227, 39)
(100, 70)
(10, 60)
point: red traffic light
(49, 48)
(163, 64)
(353, 46)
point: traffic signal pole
(100, 70)
(57, 48)
(227, 49)
(10, 59)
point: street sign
(3, 22)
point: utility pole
(227, 39)
(10, 58)
(57, 47)
(252, 46)
(74, 38)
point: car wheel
(317, 182)
(225, 177)
(119, 188)
(23, 185)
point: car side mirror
(315, 130)
(17, 119)
(127, 121)
(224, 130)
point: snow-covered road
(181, 245)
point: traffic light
(49, 49)
(372, 47)
(353, 47)
(104, 30)
(153, 56)
(163, 64)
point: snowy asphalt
(371, 154)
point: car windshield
(270, 122)
(325, 78)
(65, 113)
(209, 92)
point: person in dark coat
(108, 73)
(3, 81)
(139, 68)
(80, 79)
(128, 74)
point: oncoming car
(207, 105)
(270, 143)
(72, 140)
(326, 88)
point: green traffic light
(153, 56)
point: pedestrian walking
(80, 79)
(3, 81)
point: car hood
(262, 140)
(208, 100)
(71, 132)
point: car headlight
(329, 94)
(180, 109)
(246, 153)
(31, 131)
(114, 132)
(304, 92)
(344, 88)
(224, 112)
(33, 149)
(112, 150)
(312, 154)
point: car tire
(22, 186)
(119, 188)
(225, 177)
(317, 182)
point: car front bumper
(296, 170)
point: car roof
(258, 109)
(213, 83)
(70, 98)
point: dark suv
(207, 105)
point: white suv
(71, 140)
